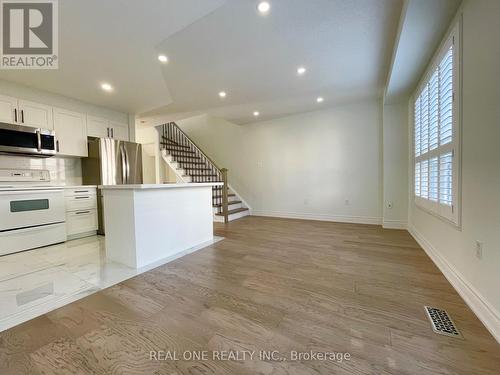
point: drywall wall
(395, 165)
(324, 165)
(454, 249)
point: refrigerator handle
(124, 164)
(127, 162)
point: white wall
(395, 165)
(453, 248)
(306, 165)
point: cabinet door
(119, 131)
(71, 132)
(7, 107)
(98, 127)
(35, 114)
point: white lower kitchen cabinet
(81, 211)
(71, 132)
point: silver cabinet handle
(82, 212)
(22, 116)
(108, 131)
(86, 197)
(112, 133)
(15, 114)
(57, 146)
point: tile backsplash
(63, 171)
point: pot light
(222, 94)
(320, 99)
(301, 70)
(106, 87)
(163, 58)
(256, 113)
(264, 7)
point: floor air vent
(441, 322)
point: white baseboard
(486, 313)
(394, 224)
(305, 216)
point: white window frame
(451, 214)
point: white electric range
(32, 212)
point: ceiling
(215, 45)
(422, 28)
(114, 41)
(344, 44)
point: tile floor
(37, 281)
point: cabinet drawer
(80, 191)
(80, 202)
(81, 221)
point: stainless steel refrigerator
(111, 162)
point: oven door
(16, 139)
(30, 208)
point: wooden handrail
(185, 150)
(195, 145)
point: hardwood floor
(275, 285)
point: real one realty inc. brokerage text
(247, 355)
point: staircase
(192, 165)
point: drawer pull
(82, 212)
(81, 191)
(87, 197)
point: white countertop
(81, 187)
(158, 186)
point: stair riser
(220, 219)
(231, 207)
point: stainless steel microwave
(24, 140)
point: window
(436, 133)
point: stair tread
(235, 211)
(229, 203)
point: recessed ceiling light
(301, 70)
(106, 87)
(256, 113)
(320, 99)
(163, 58)
(264, 7)
(222, 94)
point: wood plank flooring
(275, 285)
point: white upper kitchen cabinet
(8, 109)
(119, 131)
(103, 128)
(26, 113)
(71, 132)
(35, 114)
(97, 127)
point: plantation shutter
(434, 136)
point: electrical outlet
(479, 250)
(389, 205)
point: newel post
(224, 195)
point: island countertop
(158, 186)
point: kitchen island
(150, 223)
